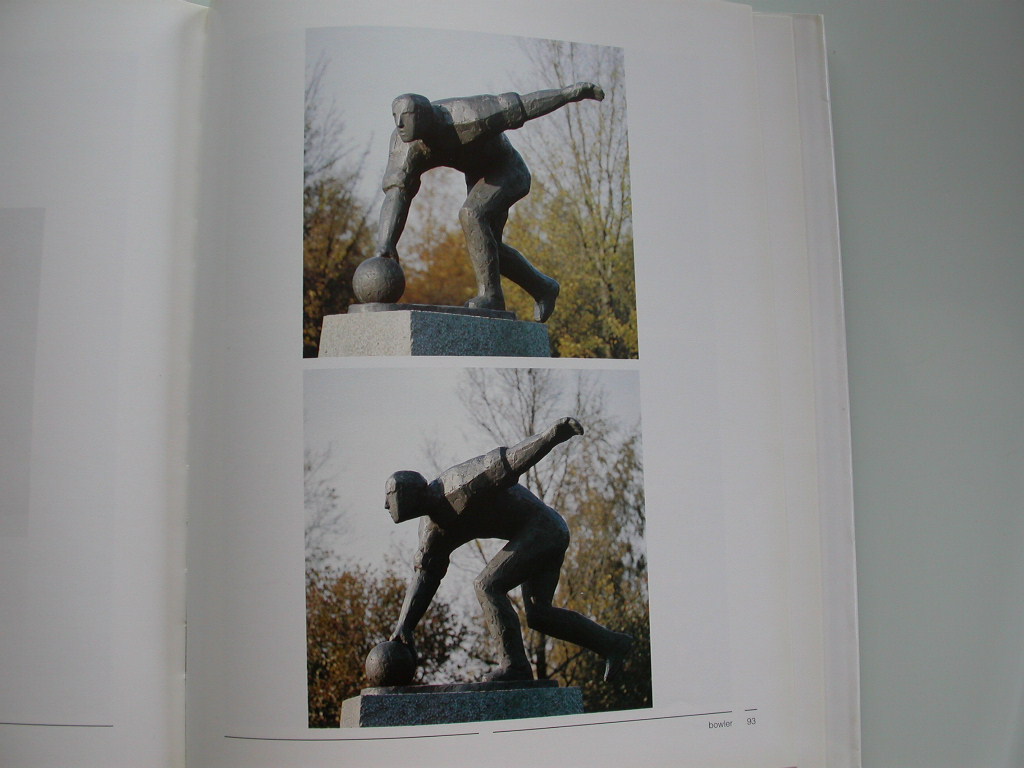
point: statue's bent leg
(483, 218)
(486, 203)
(483, 253)
(503, 573)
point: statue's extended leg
(571, 626)
(517, 268)
(541, 287)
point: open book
(188, 490)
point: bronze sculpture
(468, 134)
(482, 498)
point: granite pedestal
(459, 703)
(407, 329)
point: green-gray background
(928, 107)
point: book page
(721, 385)
(100, 109)
(805, 255)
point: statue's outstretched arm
(525, 454)
(541, 103)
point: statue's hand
(567, 428)
(387, 251)
(581, 91)
(404, 636)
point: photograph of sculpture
(482, 558)
(476, 185)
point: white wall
(928, 105)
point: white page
(800, 180)
(735, 626)
(832, 402)
(100, 109)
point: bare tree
(336, 222)
(577, 221)
(325, 517)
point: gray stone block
(466, 703)
(404, 332)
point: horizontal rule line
(613, 722)
(477, 733)
(352, 738)
(62, 725)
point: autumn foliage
(349, 611)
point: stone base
(501, 314)
(403, 332)
(465, 703)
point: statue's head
(405, 495)
(414, 116)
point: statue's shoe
(486, 302)
(615, 659)
(506, 674)
(545, 301)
